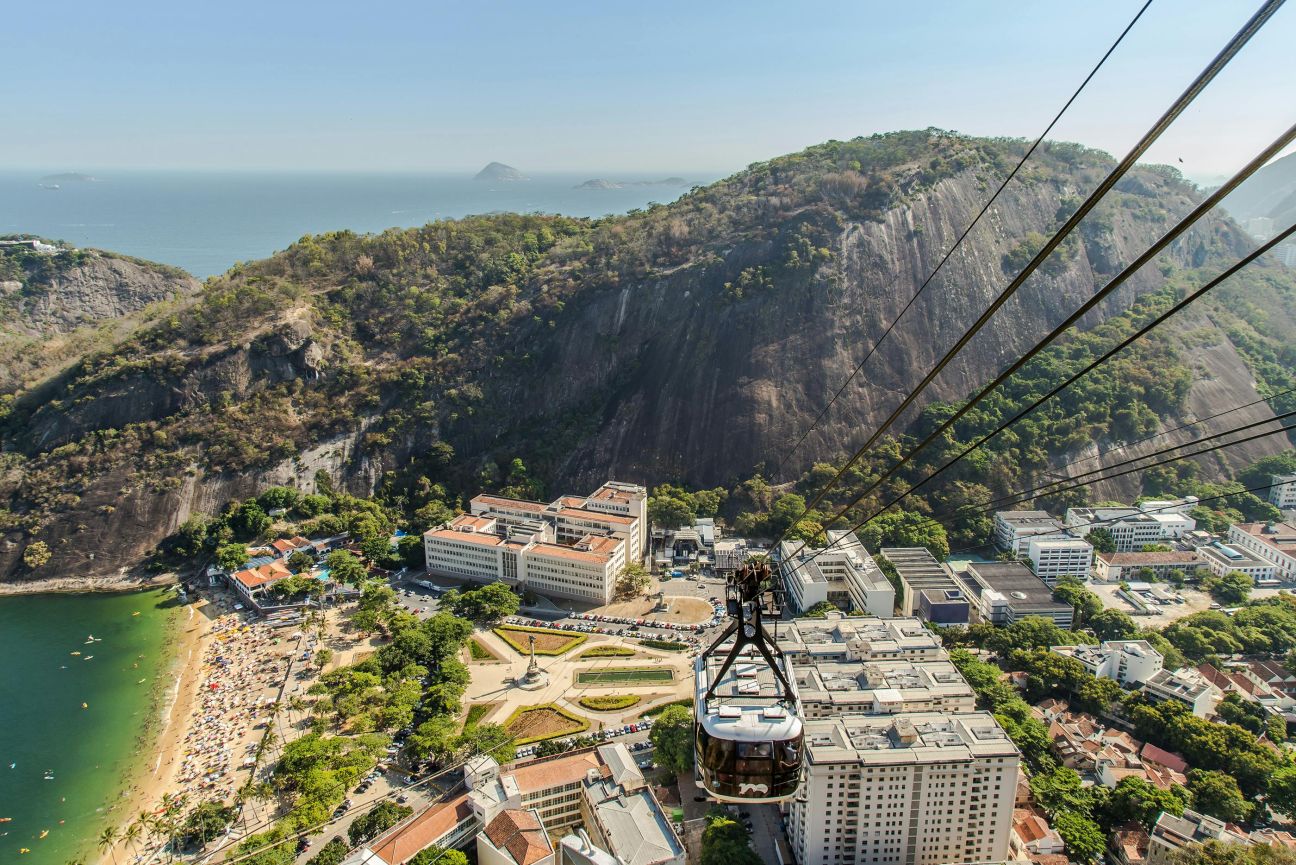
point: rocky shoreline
(80, 585)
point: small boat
(23, 850)
(88, 657)
(6, 819)
(75, 653)
(136, 613)
(141, 681)
(90, 639)
(44, 832)
(85, 705)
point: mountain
(57, 302)
(691, 342)
(1270, 192)
(499, 171)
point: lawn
(609, 703)
(606, 652)
(476, 712)
(657, 710)
(666, 645)
(479, 651)
(626, 676)
(535, 723)
(547, 642)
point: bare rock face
(98, 287)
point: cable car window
(753, 750)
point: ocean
(206, 222)
(87, 753)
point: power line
(1180, 104)
(1116, 282)
(1125, 343)
(957, 243)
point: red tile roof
(405, 840)
(521, 834)
(594, 516)
(259, 576)
(1152, 754)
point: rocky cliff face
(694, 342)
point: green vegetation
(550, 721)
(377, 820)
(726, 842)
(554, 642)
(479, 652)
(476, 712)
(610, 703)
(626, 676)
(820, 610)
(1266, 625)
(1221, 853)
(1231, 588)
(633, 581)
(205, 823)
(672, 738)
(606, 652)
(673, 507)
(332, 853)
(665, 645)
(687, 702)
(485, 605)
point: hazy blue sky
(596, 87)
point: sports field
(626, 676)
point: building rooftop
(262, 574)
(1019, 586)
(1194, 828)
(511, 504)
(859, 637)
(1175, 557)
(520, 835)
(1024, 517)
(889, 685)
(547, 773)
(594, 516)
(404, 840)
(919, 569)
(919, 737)
(1184, 684)
(636, 828)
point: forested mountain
(691, 342)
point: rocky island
(500, 171)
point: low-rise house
(1245, 684)
(1186, 686)
(1129, 662)
(1032, 834)
(1082, 743)
(1171, 834)
(1128, 845)
(1124, 567)
(515, 837)
(1158, 776)
(1151, 755)
(1275, 675)
(253, 584)
(284, 547)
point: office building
(1172, 834)
(1012, 529)
(1185, 686)
(1054, 559)
(1126, 567)
(857, 639)
(1007, 592)
(841, 573)
(573, 547)
(1273, 542)
(1129, 662)
(1221, 559)
(928, 589)
(908, 789)
(1131, 528)
(832, 689)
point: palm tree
(132, 835)
(108, 840)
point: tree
(668, 509)
(1223, 853)
(901, 528)
(490, 739)
(299, 562)
(633, 581)
(248, 521)
(377, 820)
(820, 610)
(331, 854)
(487, 604)
(672, 737)
(1113, 625)
(1281, 795)
(274, 498)
(1084, 602)
(1083, 838)
(436, 856)
(1136, 799)
(323, 656)
(724, 842)
(344, 567)
(232, 556)
(1232, 588)
(36, 554)
(191, 538)
(1217, 794)
(206, 822)
(108, 840)
(435, 738)
(410, 550)
(1102, 539)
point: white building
(843, 574)
(1007, 592)
(1273, 542)
(1186, 686)
(928, 588)
(1131, 528)
(1012, 529)
(832, 689)
(1283, 492)
(573, 547)
(844, 638)
(1129, 662)
(1125, 567)
(1172, 834)
(1222, 559)
(909, 789)
(1053, 559)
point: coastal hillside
(691, 342)
(57, 302)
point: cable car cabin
(748, 745)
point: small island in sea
(601, 183)
(69, 177)
(500, 171)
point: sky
(611, 86)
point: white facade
(913, 789)
(1014, 529)
(1053, 559)
(1186, 686)
(1129, 662)
(1275, 543)
(843, 574)
(1283, 492)
(1222, 559)
(1131, 528)
(573, 548)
